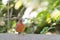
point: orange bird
(20, 26)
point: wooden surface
(28, 37)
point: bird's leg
(19, 32)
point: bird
(20, 26)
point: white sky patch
(40, 9)
(44, 4)
(26, 21)
(26, 3)
(33, 14)
(27, 12)
(5, 1)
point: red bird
(20, 27)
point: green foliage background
(41, 24)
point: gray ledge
(28, 37)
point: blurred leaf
(1, 14)
(44, 31)
(42, 14)
(58, 21)
(29, 0)
(29, 30)
(48, 18)
(18, 4)
(2, 29)
(53, 4)
(13, 24)
(58, 8)
(44, 17)
(55, 15)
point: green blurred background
(39, 16)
